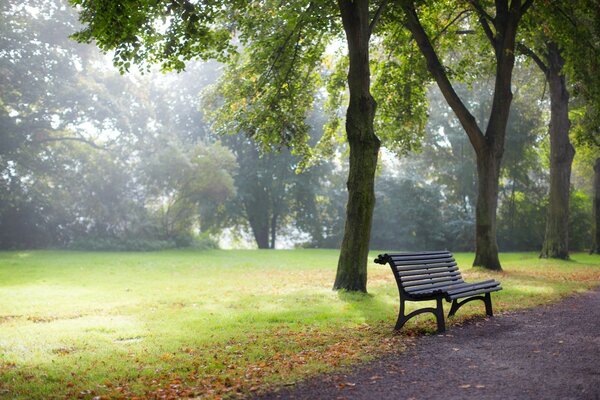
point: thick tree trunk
(258, 217)
(556, 240)
(486, 246)
(261, 233)
(364, 148)
(596, 211)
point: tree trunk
(364, 147)
(489, 147)
(258, 217)
(596, 211)
(486, 246)
(556, 240)
(273, 229)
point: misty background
(92, 159)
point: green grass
(215, 323)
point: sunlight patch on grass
(215, 323)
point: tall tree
(364, 147)
(292, 44)
(265, 185)
(501, 30)
(556, 240)
(556, 40)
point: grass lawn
(216, 323)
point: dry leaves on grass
(298, 355)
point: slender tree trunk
(596, 211)
(273, 229)
(556, 240)
(488, 173)
(364, 148)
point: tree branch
(436, 69)
(484, 20)
(377, 16)
(481, 11)
(531, 54)
(445, 28)
(70, 138)
(526, 6)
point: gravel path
(551, 352)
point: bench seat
(434, 275)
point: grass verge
(216, 323)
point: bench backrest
(422, 272)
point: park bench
(434, 275)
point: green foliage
(580, 223)
(102, 243)
(137, 243)
(575, 27)
(146, 32)
(522, 222)
(408, 216)
(186, 183)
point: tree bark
(273, 229)
(556, 240)
(596, 210)
(258, 217)
(488, 173)
(364, 148)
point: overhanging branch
(484, 20)
(531, 54)
(445, 28)
(435, 67)
(377, 16)
(70, 138)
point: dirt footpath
(551, 352)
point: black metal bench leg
(401, 317)
(453, 308)
(487, 300)
(488, 304)
(439, 314)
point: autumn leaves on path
(546, 352)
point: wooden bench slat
(422, 263)
(426, 280)
(419, 257)
(438, 289)
(457, 288)
(473, 286)
(427, 271)
(415, 253)
(476, 292)
(437, 285)
(442, 287)
(432, 275)
(420, 268)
